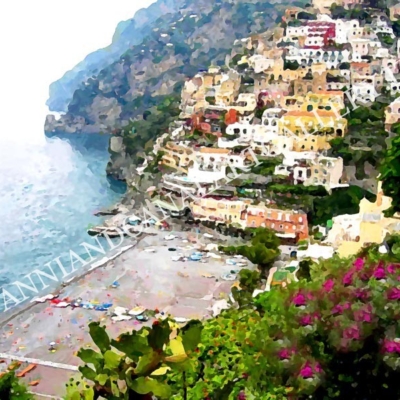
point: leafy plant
(11, 388)
(135, 364)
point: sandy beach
(148, 279)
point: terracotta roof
(213, 150)
(359, 64)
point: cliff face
(127, 34)
(178, 44)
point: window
(309, 107)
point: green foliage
(296, 189)
(141, 359)
(390, 174)
(138, 133)
(386, 40)
(396, 27)
(340, 201)
(295, 23)
(303, 15)
(267, 166)
(262, 250)
(292, 65)
(11, 388)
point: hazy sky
(42, 39)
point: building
(246, 102)
(350, 233)
(219, 210)
(319, 34)
(287, 224)
(392, 114)
(394, 12)
(312, 170)
(322, 100)
(324, 6)
(312, 129)
(177, 156)
(260, 63)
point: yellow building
(222, 211)
(323, 100)
(350, 233)
(312, 129)
(177, 156)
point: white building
(261, 63)
(343, 28)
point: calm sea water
(48, 194)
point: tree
(262, 249)
(11, 388)
(390, 175)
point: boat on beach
(110, 232)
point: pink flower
(391, 269)
(393, 294)
(317, 368)
(306, 320)
(328, 285)
(348, 278)
(299, 300)
(361, 294)
(363, 316)
(352, 332)
(339, 308)
(284, 354)
(391, 346)
(359, 263)
(379, 272)
(306, 371)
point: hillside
(127, 34)
(178, 45)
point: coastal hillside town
(289, 131)
(256, 253)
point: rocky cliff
(127, 34)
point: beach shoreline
(152, 280)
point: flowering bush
(335, 336)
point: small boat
(228, 277)
(170, 237)
(180, 320)
(137, 311)
(102, 230)
(142, 318)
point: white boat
(137, 311)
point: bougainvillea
(337, 336)
(334, 336)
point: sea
(49, 192)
